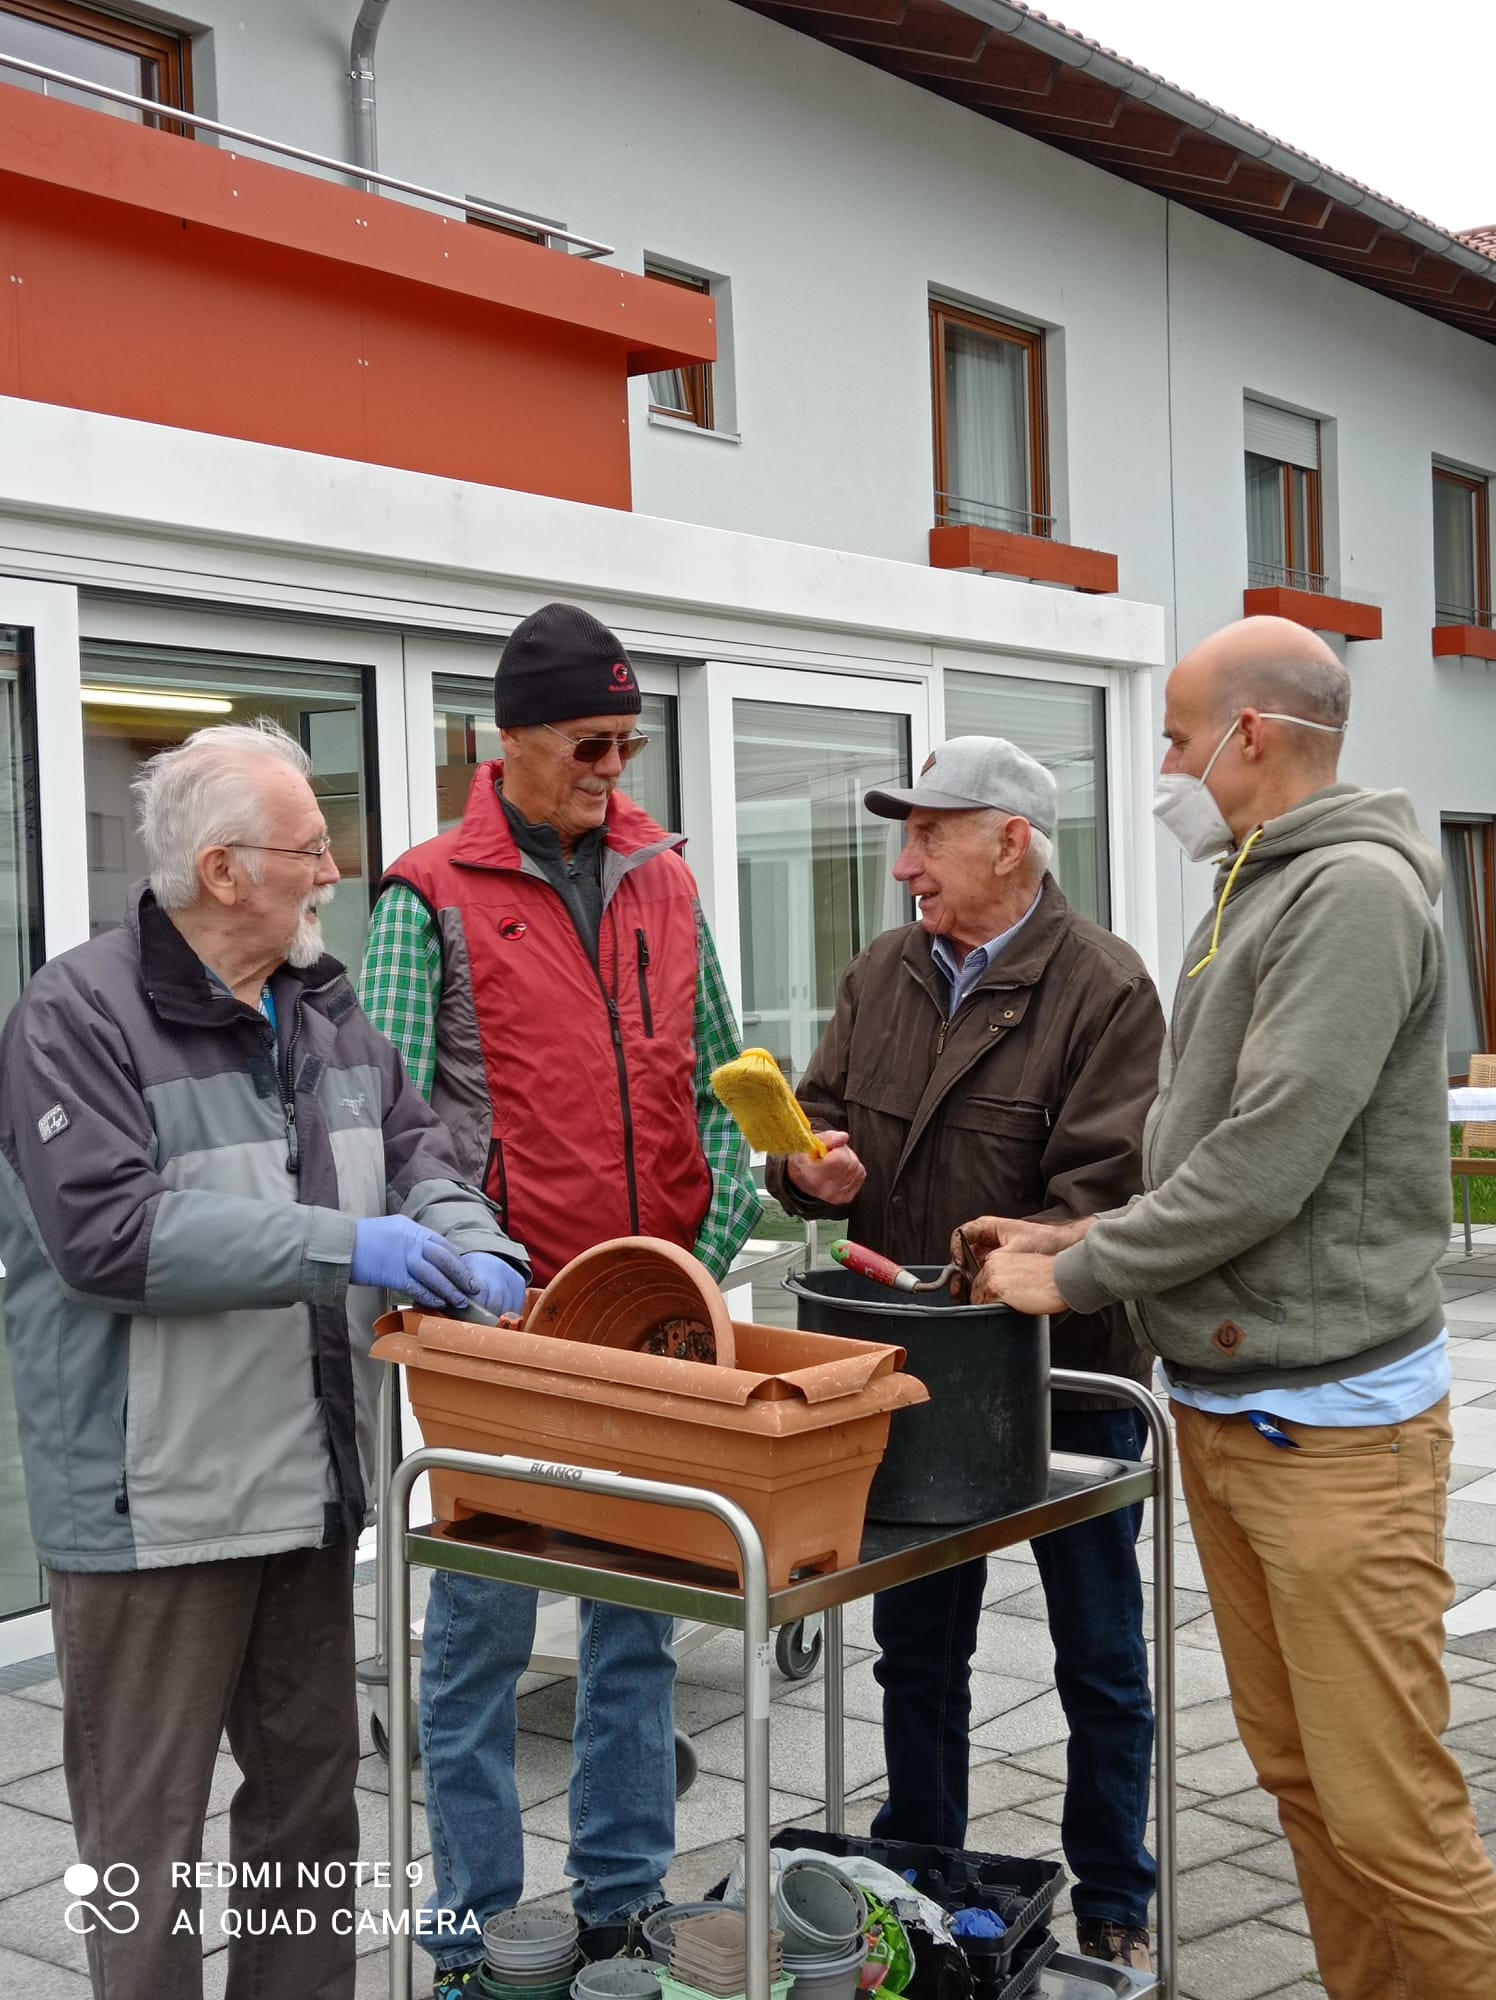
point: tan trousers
(1326, 1574)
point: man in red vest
(548, 976)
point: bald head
(1246, 679)
(1269, 664)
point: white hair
(1040, 852)
(205, 793)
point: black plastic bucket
(980, 1446)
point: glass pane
(987, 422)
(467, 736)
(1301, 542)
(668, 391)
(1267, 530)
(22, 1582)
(137, 700)
(1456, 591)
(813, 866)
(1065, 729)
(1465, 904)
(77, 55)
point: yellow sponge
(753, 1088)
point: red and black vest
(569, 1087)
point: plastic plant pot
(819, 1911)
(827, 1978)
(614, 1295)
(659, 1929)
(616, 1979)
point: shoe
(458, 1982)
(1113, 1943)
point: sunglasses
(593, 749)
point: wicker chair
(1479, 1136)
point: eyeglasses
(307, 853)
(593, 749)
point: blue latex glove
(399, 1255)
(501, 1289)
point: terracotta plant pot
(615, 1294)
(793, 1433)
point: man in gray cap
(998, 1057)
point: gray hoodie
(1296, 1159)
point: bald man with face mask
(1282, 1262)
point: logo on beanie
(512, 929)
(622, 674)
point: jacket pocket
(122, 1484)
(1010, 1118)
(643, 963)
(1265, 1308)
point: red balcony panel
(1032, 556)
(181, 284)
(1320, 614)
(1464, 642)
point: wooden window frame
(1315, 542)
(696, 380)
(1032, 342)
(1481, 490)
(171, 53)
(1480, 833)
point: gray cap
(973, 773)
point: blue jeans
(479, 1636)
(927, 1633)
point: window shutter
(1282, 434)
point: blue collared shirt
(961, 978)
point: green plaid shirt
(401, 988)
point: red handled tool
(884, 1271)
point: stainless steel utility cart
(1079, 1489)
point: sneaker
(458, 1982)
(1113, 1943)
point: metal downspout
(361, 80)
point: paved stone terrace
(1243, 1927)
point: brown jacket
(1030, 1102)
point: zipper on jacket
(940, 1038)
(627, 1109)
(648, 1011)
(288, 1093)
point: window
(1285, 518)
(528, 228)
(23, 1583)
(98, 46)
(991, 431)
(467, 736)
(1462, 549)
(1470, 932)
(1064, 727)
(686, 393)
(137, 700)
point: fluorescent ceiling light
(184, 704)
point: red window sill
(1464, 642)
(1320, 614)
(1033, 557)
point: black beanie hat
(560, 663)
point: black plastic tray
(1029, 1961)
(1021, 1892)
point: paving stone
(1292, 1917)
(1224, 1892)
(32, 1921)
(34, 1848)
(1250, 1806)
(551, 1710)
(30, 1738)
(22, 1975)
(1202, 1837)
(1016, 1833)
(1247, 1961)
(1037, 1721)
(1470, 1562)
(1275, 1859)
(1472, 1645)
(1204, 1725)
(1016, 1647)
(796, 1751)
(1224, 1768)
(48, 1692)
(991, 1694)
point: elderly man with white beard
(210, 1165)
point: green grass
(1482, 1188)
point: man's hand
(501, 1289)
(1004, 1232)
(836, 1180)
(1018, 1279)
(399, 1255)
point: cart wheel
(685, 1763)
(796, 1660)
(381, 1736)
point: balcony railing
(1465, 614)
(159, 114)
(1278, 576)
(955, 510)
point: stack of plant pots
(824, 1921)
(529, 1955)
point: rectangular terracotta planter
(793, 1434)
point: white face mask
(1187, 807)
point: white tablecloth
(1467, 1104)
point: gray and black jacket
(178, 1200)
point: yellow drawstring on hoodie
(1215, 936)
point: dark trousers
(155, 1665)
(927, 1633)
